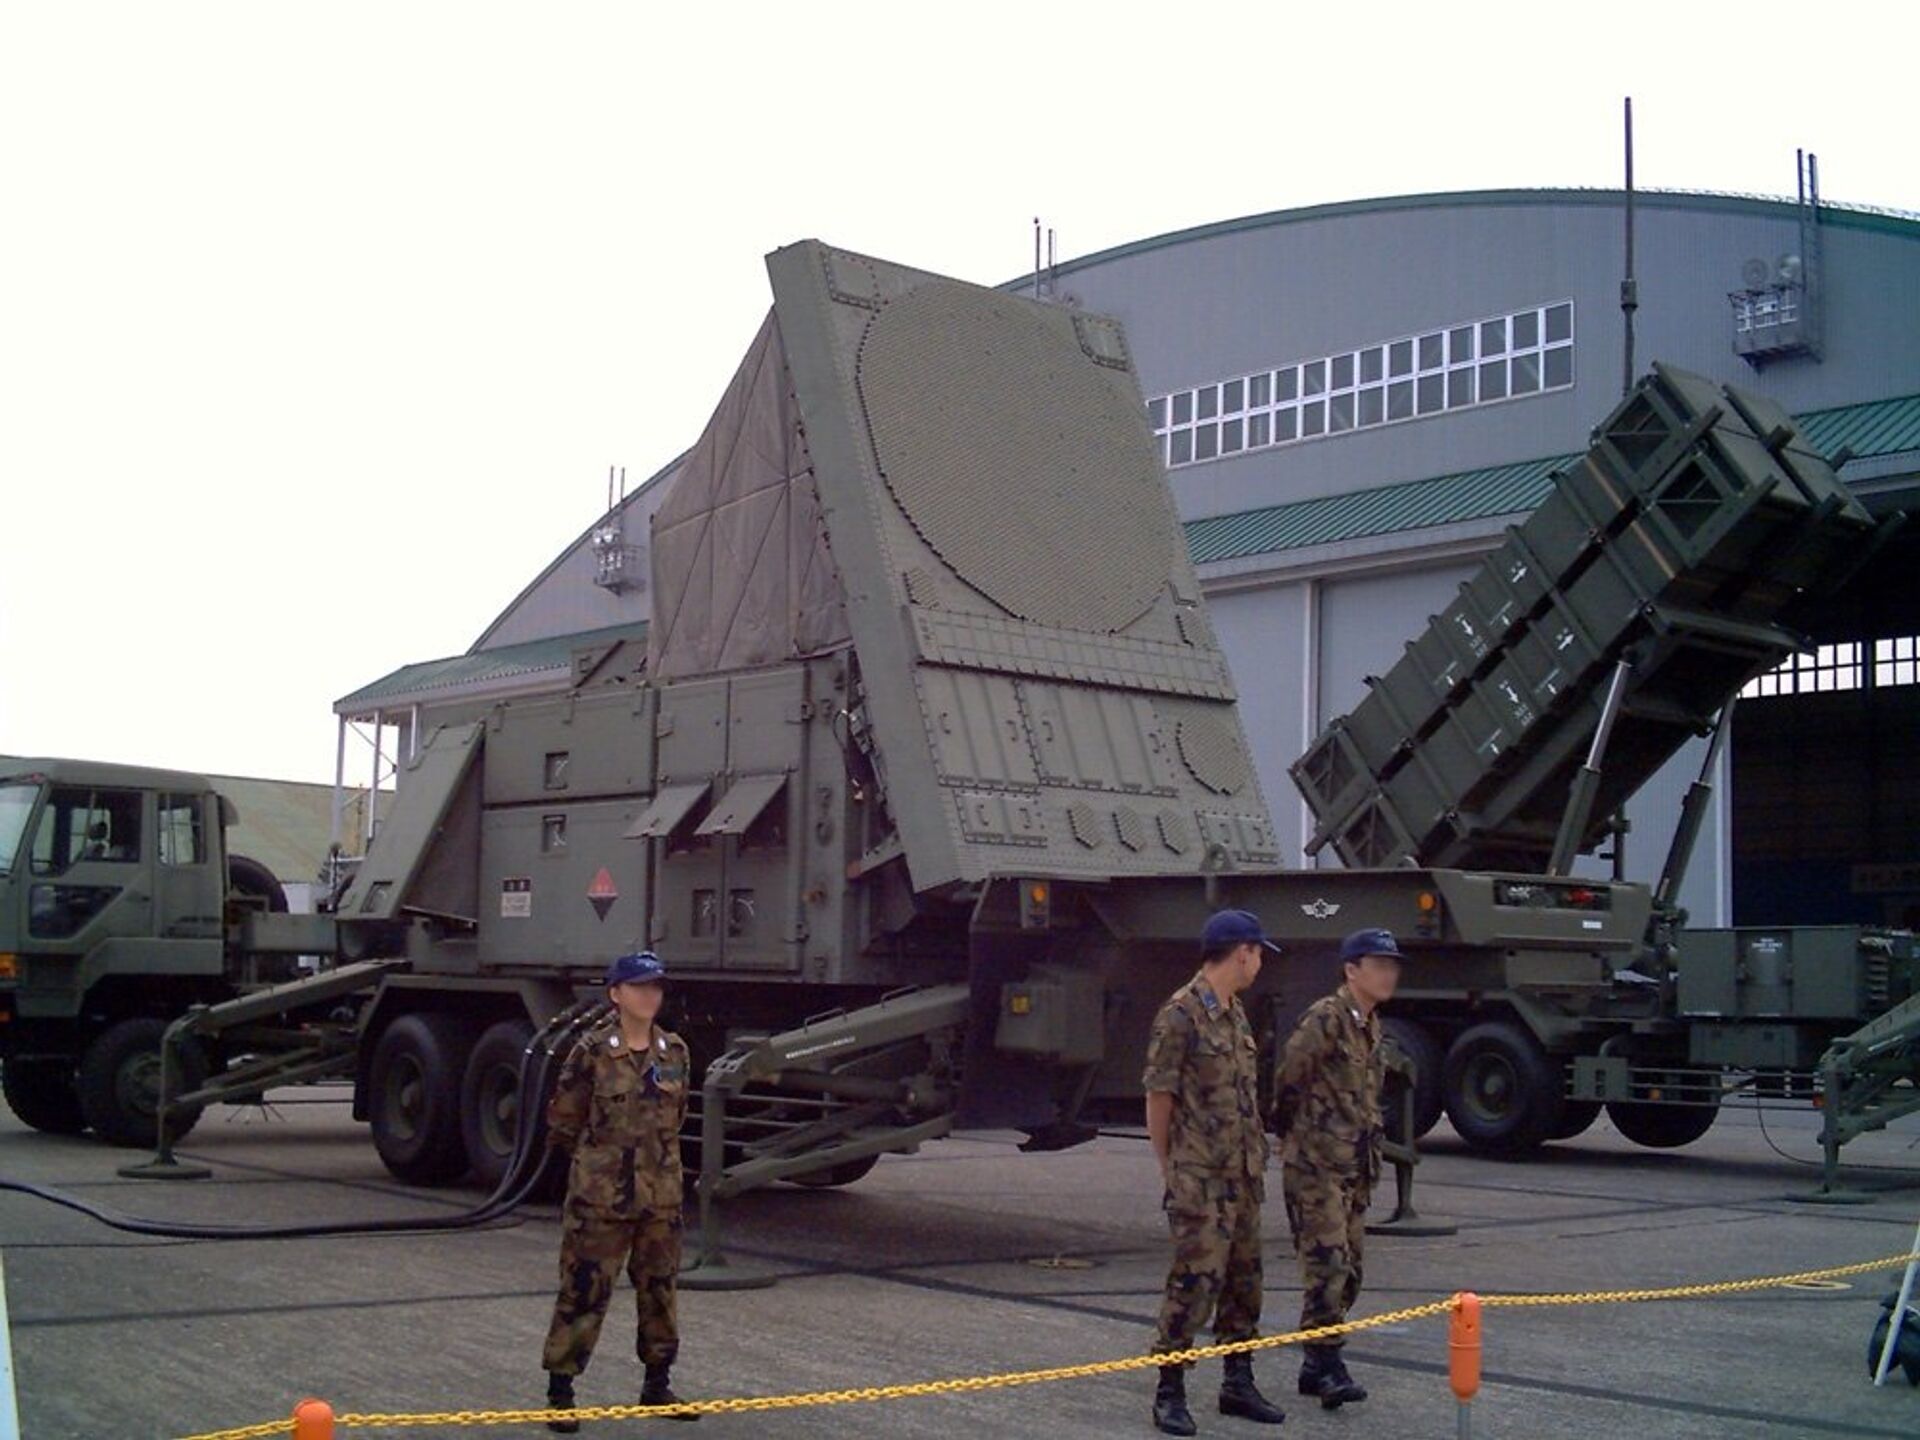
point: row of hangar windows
(1476, 362)
(1852, 665)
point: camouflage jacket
(1203, 1053)
(1327, 1093)
(619, 1112)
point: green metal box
(1810, 973)
(1755, 1047)
(1056, 1014)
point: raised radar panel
(1683, 542)
(1041, 689)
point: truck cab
(115, 888)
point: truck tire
(1576, 1118)
(42, 1094)
(1661, 1127)
(1429, 1095)
(491, 1105)
(249, 877)
(413, 1100)
(120, 1083)
(1504, 1095)
(1906, 1350)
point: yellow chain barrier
(967, 1385)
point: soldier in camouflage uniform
(1327, 1114)
(617, 1109)
(1203, 1116)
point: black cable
(523, 1173)
(1760, 1114)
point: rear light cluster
(1552, 895)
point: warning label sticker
(603, 892)
(516, 897)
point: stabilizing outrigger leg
(1402, 1152)
(818, 1104)
(279, 1054)
(1867, 1079)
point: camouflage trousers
(1328, 1212)
(1216, 1261)
(593, 1250)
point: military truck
(923, 780)
(121, 906)
(1673, 563)
(923, 784)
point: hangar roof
(1873, 429)
(1853, 217)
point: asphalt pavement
(966, 1259)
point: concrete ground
(969, 1258)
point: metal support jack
(769, 1112)
(1867, 1079)
(164, 1166)
(284, 1056)
(1402, 1153)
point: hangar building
(1355, 400)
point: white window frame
(1453, 361)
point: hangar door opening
(1826, 789)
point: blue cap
(1227, 928)
(641, 969)
(1362, 943)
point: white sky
(320, 324)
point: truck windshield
(16, 803)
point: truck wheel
(490, 1100)
(120, 1083)
(413, 1098)
(1906, 1350)
(1503, 1094)
(1661, 1127)
(1429, 1098)
(42, 1094)
(249, 877)
(836, 1176)
(1576, 1118)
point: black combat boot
(656, 1391)
(560, 1400)
(1239, 1396)
(1170, 1415)
(1324, 1375)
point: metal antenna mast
(1629, 287)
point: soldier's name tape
(967, 1385)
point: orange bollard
(1463, 1346)
(313, 1420)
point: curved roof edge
(1850, 217)
(574, 544)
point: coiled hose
(543, 1053)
